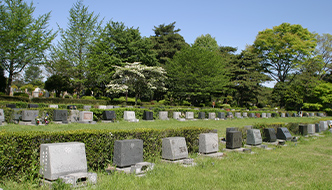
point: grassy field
(302, 165)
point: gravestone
(283, 133)
(245, 114)
(74, 116)
(311, 114)
(274, 115)
(109, 107)
(29, 115)
(176, 115)
(208, 143)
(102, 107)
(201, 115)
(323, 126)
(189, 115)
(268, 115)
(233, 139)
(252, 115)
(294, 115)
(60, 115)
(72, 107)
(109, 115)
(264, 115)
(300, 114)
(148, 115)
(2, 116)
(174, 148)
(254, 137)
(319, 114)
(238, 115)
(11, 105)
(303, 129)
(47, 94)
(229, 115)
(228, 129)
(269, 135)
(116, 106)
(53, 106)
(32, 105)
(311, 129)
(163, 115)
(65, 161)
(283, 115)
(317, 128)
(258, 115)
(86, 117)
(212, 115)
(127, 152)
(221, 115)
(87, 108)
(287, 115)
(130, 116)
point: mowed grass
(305, 164)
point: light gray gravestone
(74, 116)
(311, 114)
(283, 133)
(130, 116)
(127, 152)
(264, 115)
(254, 137)
(2, 116)
(189, 115)
(102, 107)
(252, 115)
(176, 115)
(208, 143)
(319, 114)
(174, 148)
(29, 115)
(238, 115)
(116, 106)
(87, 108)
(86, 117)
(245, 114)
(212, 115)
(268, 115)
(53, 106)
(109, 107)
(323, 126)
(163, 115)
(221, 115)
(311, 129)
(283, 115)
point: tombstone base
(181, 119)
(187, 162)
(75, 179)
(107, 121)
(139, 169)
(59, 122)
(87, 122)
(26, 123)
(243, 150)
(213, 155)
(258, 146)
(133, 120)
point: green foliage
(88, 98)
(207, 41)
(324, 51)
(21, 94)
(13, 98)
(33, 75)
(58, 84)
(68, 101)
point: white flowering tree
(137, 78)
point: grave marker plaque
(32, 105)
(311, 114)
(319, 114)
(53, 106)
(163, 115)
(148, 115)
(116, 106)
(245, 114)
(129, 115)
(269, 135)
(74, 116)
(254, 137)
(303, 129)
(109, 107)
(311, 129)
(233, 139)
(109, 115)
(221, 115)
(283, 133)
(2, 116)
(174, 148)
(238, 115)
(252, 115)
(189, 115)
(208, 143)
(127, 152)
(29, 115)
(86, 116)
(60, 115)
(264, 115)
(212, 115)
(323, 126)
(268, 115)
(176, 115)
(201, 115)
(86, 108)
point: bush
(21, 94)
(88, 98)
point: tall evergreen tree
(207, 41)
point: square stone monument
(268, 115)
(283, 115)
(130, 116)
(148, 115)
(303, 129)
(284, 134)
(311, 129)
(264, 115)
(254, 137)
(109, 115)
(208, 143)
(163, 115)
(233, 139)
(311, 114)
(252, 115)
(174, 148)
(189, 115)
(87, 108)
(238, 115)
(245, 114)
(269, 135)
(127, 152)
(32, 105)
(201, 115)
(221, 115)
(323, 126)
(176, 115)
(102, 107)
(60, 115)
(74, 116)
(86, 117)
(29, 115)
(230, 115)
(212, 115)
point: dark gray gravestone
(221, 115)
(109, 115)
(233, 139)
(311, 114)
(231, 129)
(32, 105)
(71, 107)
(252, 115)
(311, 129)
(47, 94)
(201, 115)
(116, 106)
(60, 115)
(294, 115)
(269, 135)
(86, 116)
(208, 143)
(229, 114)
(273, 115)
(29, 115)
(287, 115)
(148, 115)
(127, 152)
(317, 129)
(284, 134)
(174, 148)
(11, 105)
(303, 129)
(254, 137)
(2, 116)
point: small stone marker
(269, 135)
(284, 134)
(201, 115)
(130, 116)
(311, 114)
(319, 114)
(229, 115)
(258, 115)
(317, 128)
(109, 115)
(323, 126)
(163, 115)
(238, 115)
(176, 115)
(32, 105)
(11, 105)
(109, 107)
(174, 148)
(53, 106)
(274, 115)
(303, 129)
(148, 115)
(189, 115)
(264, 115)
(252, 115)
(287, 115)
(29, 115)
(283, 115)
(86, 117)
(245, 114)
(102, 107)
(212, 115)
(60, 115)
(311, 129)
(221, 115)
(87, 108)
(254, 137)
(116, 106)
(127, 152)
(268, 115)
(233, 139)
(208, 143)
(74, 116)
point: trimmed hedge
(19, 152)
(68, 101)
(14, 98)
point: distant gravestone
(283, 115)
(319, 114)
(311, 114)
(60, 115)
(201, 115)
(311, 129)
(163, 115)
(47, 94)
(323, 126)
(86, 116)
(86, 108)
(174, 148)
(248, 127)
(148, 115)
(2, 116)
(245, 114)
(72, 107)
(264, 115)
(238, 115)
(269, 135)
(212, 115)
(116, 106)
(11, 105)
(221, 115)
(294, 115)
(317, 128)
(109, 115)
(303, 129)
(29, 115)
(230, 115)
(109, 107)
(283, 133)
(208, 143)
(189, 115)
(233, 139)
(268, 115)
(74, 116)
(129, 116)
(251, 115)
(254, 137)
(258, 115)
(127, 152)
(274, 115)
(53, 106)
(287, 115)
(32, 105)
(228, 129)
(102, 107)
(176, 115)
(17, 114)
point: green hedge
(19, 152)
(14, 98)
(68, 101)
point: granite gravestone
(252, 115)
(174, 148)
(86, 116)
(233, 139)
(254, 137)
(264, 115)
(268, 115)
(238, 115)
(294, 115)
(11, 105)
(269, 135)
(116, 106)
(109, 107)
(258, 115)
(229, 115)
(245, 114)
(109, 115)
(53, 106)
(274, 115)
(221, 115)
(323, 126)
(29, 115)
(103, 107)
(60, 115)
(287, 115)
(127, 152)
(317, 128)
(311, 114)
(212, 115)
(189, 115)
(87, 108)
(32, 105)
(311, 129)
(284, 134)
(228, 129)
(2, 116)
(303, 129)
(148, 115)
(319, 114)
(283, 115)
(129, 116)
(74, 116)
(201, 115)
(176, 115)
(208, 143)
(72, 107)
(163, 115)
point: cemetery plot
(201, 115)
(269, 135)
(163, 115)
(208, 145)
(190, 115)
(109, 116)
(130, 116)
(212, 115)
(254, 137)
(174, 150)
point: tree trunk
(9, 82)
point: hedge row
(19, 152)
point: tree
(207, 41)
(2, 80)
(137, 78)
(58, 84)
(117, 44)
(23, 39)
(196, 73)
(70, 56)
(33, 75)
(324, 50)
(167, 41)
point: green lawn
(302, 165)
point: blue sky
(232, 22)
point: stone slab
(269, 135)
(29, 115)
(212, 115)
(233, 139)
(311, 129)
(147, 115)
(109, 115)
(2, 116)
(86, 108)
(213, 155)
(187, 162)
(129, 115)
(163, 115)
(102, 107)
(201, 115)
(176, 115)
(221, 115)
(174, 148)
(208, 143)
(283, 134)
(74, 116)
(86, 116)
(254, 137)
(60, 115)
(189, 115)
(127, 152)
(323, 126)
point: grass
(301, 165)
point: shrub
(88, 98)
(21, 94)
